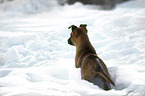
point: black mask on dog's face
(75, 32)
(70, 42)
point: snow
(35, 59)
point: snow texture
(35, 59)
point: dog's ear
(72, 27)
(84, 27)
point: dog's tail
(102, 73)
(102, 80)
(105, 76)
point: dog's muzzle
(70, 42)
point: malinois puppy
(92, 67)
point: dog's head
(76, 31)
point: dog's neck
(82, 46)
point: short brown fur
(86, 58)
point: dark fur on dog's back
(92, 67)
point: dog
(93, 69)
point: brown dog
(92, 67)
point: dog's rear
(94, 70)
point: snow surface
(36, 60)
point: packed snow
(35, 59)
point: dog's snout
(70, 42)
